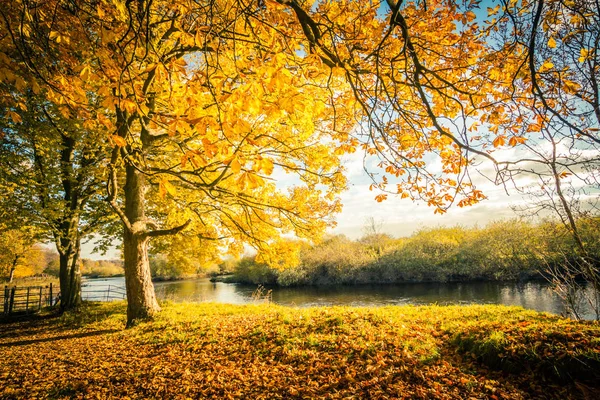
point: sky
(401, 217)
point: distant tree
(183, 254)
(52, 262)
(53, 170)
(18, 251)
(97, 268)
(374, 237)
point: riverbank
(236, 279)
(31, 281)
(511, 250)
(154, 279)
(268, 351)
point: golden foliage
(225, 351)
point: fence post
(12, 299)
(108, 293)
(51, 299)
(41, 294)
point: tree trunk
(141, 299)
(12, 271)
(70, 274)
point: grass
(269, 351)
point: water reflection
(202, 290)
(533, 295)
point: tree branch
(171, 231)
(111, 188)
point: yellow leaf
(249, 180)
(546, 66)
(570, 86)
(470, 16)
(130, 106)
(35, 87)
(499, 141)
(254, 181)
(493, 11)
(104, 121)
(85, 73)
(16, 118)
(267, 166)
(209, 149)
(235, 165)
(169, 187)
(89, 124)
(119, 141)
(552, 43)
(583, 55)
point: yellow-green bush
(503, 250)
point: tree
(18, 250)
(374, 238)
(184, 254)
(205, 104)
(441, 85)
(555, 103)
(52, 173)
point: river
(534, 295)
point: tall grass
(504, 250)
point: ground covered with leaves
(269, 351)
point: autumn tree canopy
(53, 169)
(206, 104)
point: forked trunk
(141, 300)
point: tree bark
(70, 274)
(141, 299)
(69, 240)
(12, 271)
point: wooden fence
(31, 299)
(25, 300)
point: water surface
(532, 295)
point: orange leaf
(119, 141)
(499, 141)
